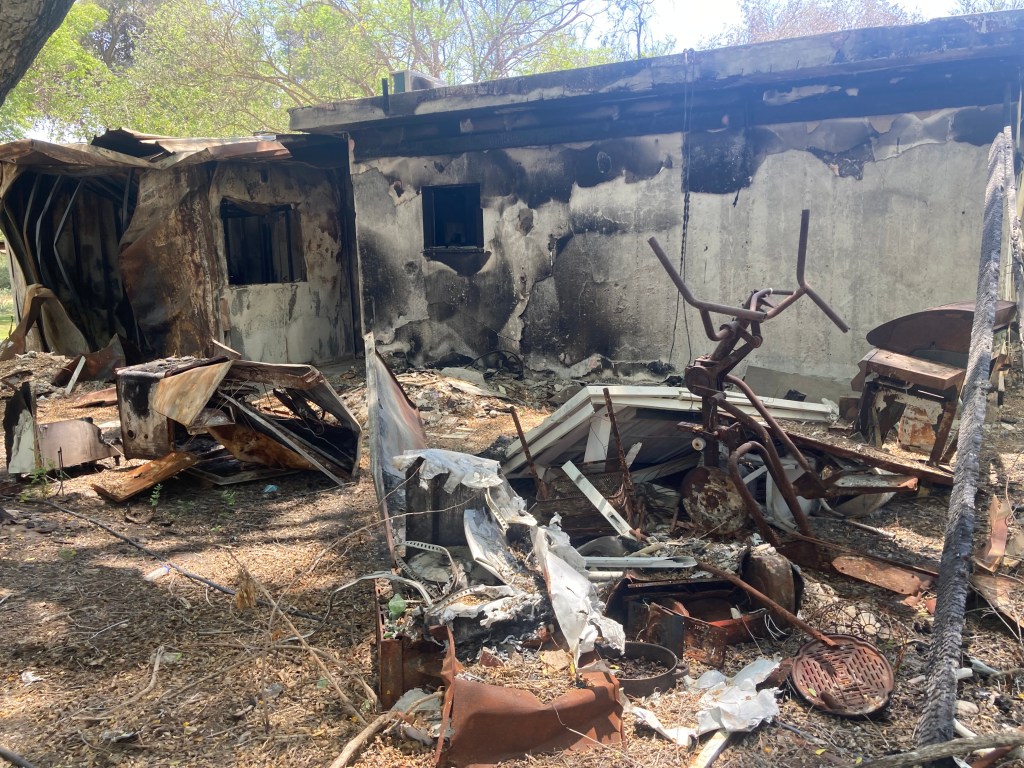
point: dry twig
(15, 759)
(345, 700)
(152, 684)
(361, 739)
(948, 749)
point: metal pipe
(542, 489)
(632, 513)
(801, 259)
(766, 601)
(737, 312)
(748, 498)
(776, 428)
(774, 465)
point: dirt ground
(107, 659)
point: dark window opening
(263, 243)
(452, 218)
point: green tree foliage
(218, 67)
(58, 92)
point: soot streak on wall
(570, 283)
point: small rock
(966, 709)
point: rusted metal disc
(852, 679)
(712, 501)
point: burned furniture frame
(919, 362)
(708, 375)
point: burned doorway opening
(63, 233)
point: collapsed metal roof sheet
(649, 415)
(121, 150)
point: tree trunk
(26, 25)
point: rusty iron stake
(766, 601)
(542, 489)
(633, 516)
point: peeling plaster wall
(570, 283)
(297, 322)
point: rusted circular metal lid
(852, 679)
(713, 503)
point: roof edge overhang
(885, 70)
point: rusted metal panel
(945, 329)
(403, 662)
(99, 366)
(490, 723)
(144, 477)
(875, 458)
(395, 427)
(883, 575)
(71, 443)
(183, 396)
(250, 446)
(1000, 512)
(923, 373)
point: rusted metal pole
(937, 719)
(632, 513)
(542, 489)
(766, 601)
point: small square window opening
(263, 243)
(452, 218)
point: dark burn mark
(723, 162)
(603, 161)
(572, 313)
(525, 220)
(383, 287)
(977, 126)
(848, 164)
(464, 262)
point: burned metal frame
(708, 376)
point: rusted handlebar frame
(752, 312)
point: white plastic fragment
(461, 468)
(680, 735)
(736, 705)
(574, 599)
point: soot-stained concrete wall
(306, 321)
(567, 279)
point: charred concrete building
(514, 214)
(167, 245)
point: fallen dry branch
(346, 702)
(176, 568)
(152, 684)
(954, 748)
(358, 742)
(15, 759)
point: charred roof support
(937, 720)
